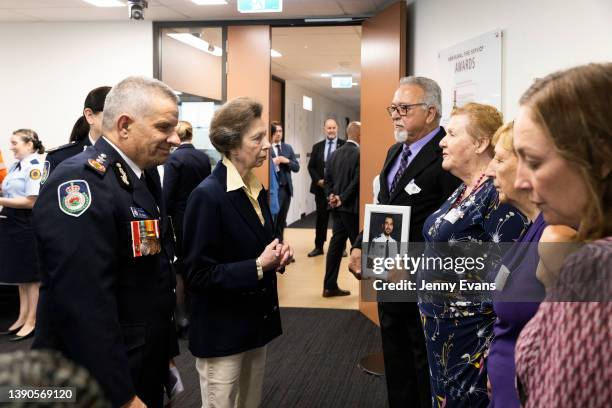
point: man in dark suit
(342, 186)
(411, 175)
(185, 169)
(284, 162)
(321, 151)
(106, 248)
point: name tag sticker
(411, 188)
(502, 277)
(453, 215)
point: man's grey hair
(133, 96)
(433, 93)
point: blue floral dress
(458, 333)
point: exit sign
(260, 6)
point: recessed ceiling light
(326, 75)
(355, 83)
(210, 2)
(275, 54)
(106, 3)
(196, 42)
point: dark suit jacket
(316, 164)
(232, 311)
(285, 169)
(57, 155)
(342, 177)
(99, 305)
(185, 169)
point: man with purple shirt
(412, 175)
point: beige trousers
(232, 381)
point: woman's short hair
(573, 108)
(28, 135)
(503, 135)
(184, 130)
(231, 121)
(484, 120)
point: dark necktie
(402, 168)
(329, 149)
(387, 249)
(278, 149)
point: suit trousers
(405, 355)
(322, 218)
(234, 381)
(284, 200)
(345, 225)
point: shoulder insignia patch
(99, 163)
(74, 197)
(34, 161)
(122, 176)
(35, 174)
(45, 172)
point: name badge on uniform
(139, 213)
(453, 215)
(145, 237)
(411, 188)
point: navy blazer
(342, 177)
(100, 305)
(58, 154)
(232, 311)
(285, 169)
(184, 170)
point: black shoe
(344, 254)
(4, 333)
(335, 292)
(315, 252)
(19, 338)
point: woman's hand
(285, 254)
(270, 257)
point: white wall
(47, 69)
(540, 36)
(303, 129)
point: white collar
(137, 170)
(91, 140)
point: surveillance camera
(136, 9)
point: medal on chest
(145, 237)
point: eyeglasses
(403, 109)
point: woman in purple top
(517, 282)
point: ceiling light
(210, 2)
(106, 3)
(355, 83)
(342, 81)
(275, 54)
(260, 6)
(326, 75)
(197, 42)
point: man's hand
(278, 160)
(134, 403)
(321, 183)
(355, 263)
(334, 201)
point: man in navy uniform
(284, 162)
(106, 299)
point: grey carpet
(313, 364)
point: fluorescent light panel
(260, 6)
(342, 81)
(196, 42)
(106, 3)
(326, 75)
(275, 54)
(210, 2)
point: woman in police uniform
(18, 257)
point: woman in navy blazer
(231, 260)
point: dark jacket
(100, 305)
(58, 154)
(232, 311)
(285, 169)
(185, 169)
(316, 164)
(342, 177)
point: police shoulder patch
(74, 197)
(45, 172)
(35, 174)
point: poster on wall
(471, 71)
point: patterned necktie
(329, 148)
(402, 168)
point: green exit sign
(260, 6)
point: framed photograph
(386, 223)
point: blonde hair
(504, 135)
(484, 120)
(184, 130)
(572, 107)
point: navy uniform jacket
(316, 164)
(100, 305)
(185, 169)
(342, 177)
(57, 155)
(285, 169)
(232, 311)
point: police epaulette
(34, 161)
(64, 146)
(98, 162)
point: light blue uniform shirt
(23, 178)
